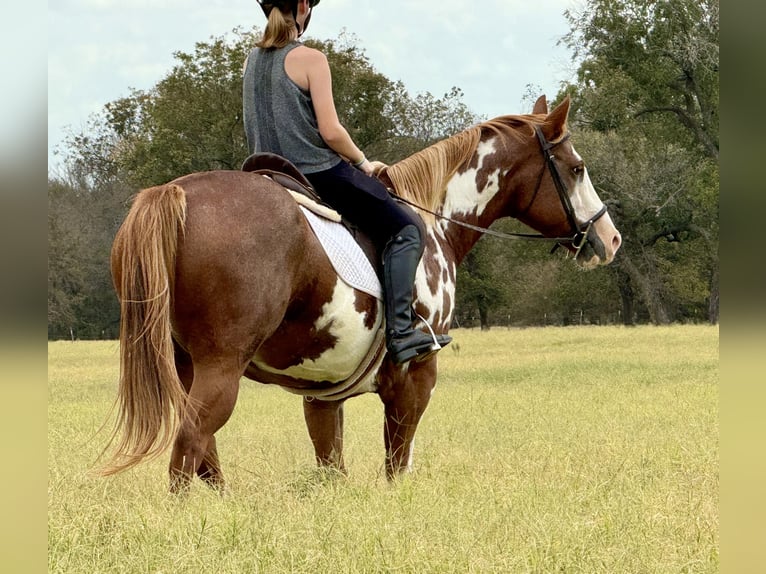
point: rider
(289, 110)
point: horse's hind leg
(210, 469)
(213, 394)
(324, 420)
(405, 399)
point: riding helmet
(284, 5)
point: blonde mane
(422, 177)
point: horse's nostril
(616, 242)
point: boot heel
(403, 356)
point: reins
(578, 239)
(484, 230)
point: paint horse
(220, 277)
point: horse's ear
(541, 106)
(555, 123)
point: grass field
(581, 449)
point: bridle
(579, 236)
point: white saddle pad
(348, 259)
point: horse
(221, 279)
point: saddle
(283, 171)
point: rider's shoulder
(309, 54)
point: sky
(99, 50)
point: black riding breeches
(362, 200)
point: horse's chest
(330, 345)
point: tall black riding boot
(400, 261)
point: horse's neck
(471, 198)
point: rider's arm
(330, 128)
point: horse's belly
(329, 350)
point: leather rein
(580, 234)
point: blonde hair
(280, 30)
(422, 178)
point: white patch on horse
(353, 340)
(463, 197)
(585, 200)
(434, 302)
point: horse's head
(561, 201)
(519, 166)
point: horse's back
(248, 204)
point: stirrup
(401, 356)
(424, 350)
(436, 346)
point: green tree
(81, 224)
(479, 284)
(648, 81)
(190, 121)
(653, 193)
(654, 59)
(66, 278)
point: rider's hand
(364, 166)
(367, 168)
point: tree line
(644, 117)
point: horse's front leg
(324, 420)
(405, 392)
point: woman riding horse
(289, 110)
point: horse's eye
(578, 169)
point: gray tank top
(279, 116)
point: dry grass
(543, 450)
